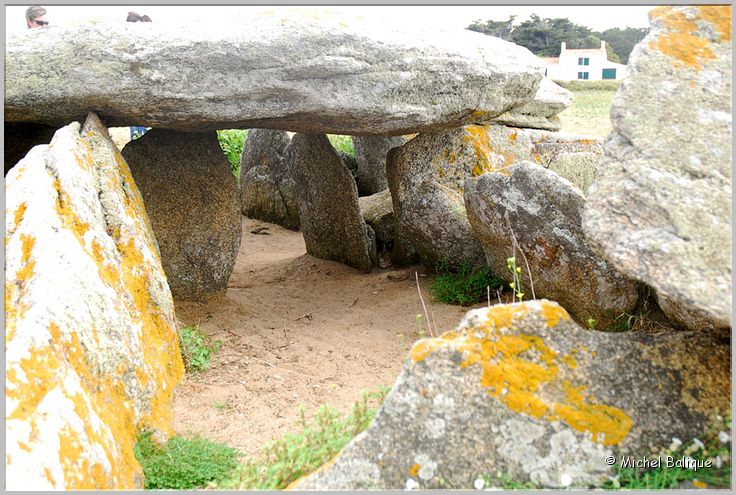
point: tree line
(542, 36)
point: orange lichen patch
(18, 215)
(24, 446)
(513, 136)
(41, 375)
(553, 313)
(49, 477)
(518, 370)
(682, 42)
(487, 159)
(414, 469)
(608, 425)
(108, 273)
(699, 484)
(69, 218)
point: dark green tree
(499, 29)
(622, 41)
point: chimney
(563, 47)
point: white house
(586, 64)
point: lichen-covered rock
(192, 200)
(92, 355)
(660, 209)
(541, 211)
(266, 189)
(370, 155)
(21, 137)
(348, 76)
(378, 212)
(427, 178)
(542, 112)
(331, 223)
(519, 389)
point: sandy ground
(297, 330)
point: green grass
(231, 141)
(182, 463)
(296, 454)
(463, 285)
(196, 349)
(342, 143)
(589, 113)
(664, 477)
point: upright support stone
(331, 222)
(370, 153)
(266, 189)
(191, 197)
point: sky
(597, 17)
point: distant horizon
(594, 17)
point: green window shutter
(609, 74)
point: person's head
(133, 17)
(36, 17)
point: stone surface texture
(378, 212)
(370, 154)
(520, 389)
(192, 200)
(91, 348)
(329, 212)
(427, 178)
(351, 76)
(660, 209)
(266, 189)
(542, 112)
(534, 214)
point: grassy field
(589, 113)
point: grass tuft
(297, 454)
(463, 285)
(196, 349)
(231, 141)
(342, 143)
(182, 463)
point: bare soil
(296, 330)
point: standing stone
(541, 211)
(331, 223)
(660, 209)
(542, 112)
(521, 390)
(573, 156)
(91, 348)
(267, 190)
(191, 197)
(370, 153)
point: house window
(582, 75)
(609, 74)
(583, 61)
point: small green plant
(196, 349)
(297, 454)
(463, 285)
(713, 452)
(516, 277)
(419, 318)
(232, 141)
(342, 143)
(504, 481)
(222, 405)
(623, 323)
(592, 322)
(182, 463)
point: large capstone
(532, 214)
(521, 390)
(266, 189)
(191, 198)
(660, 209)
(91, 348)
(329, 213)
(348, 75)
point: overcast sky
(595, 17)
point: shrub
(296, 454)
(183, 463)
(231, 141)
(196, 349)
(342, 143)
(463, 285)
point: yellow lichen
(414, 469)
(68, 216)
(682, 42)
(486, 158)
(18, 215)
(700, 484)
(518, 369)
(50, 478)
